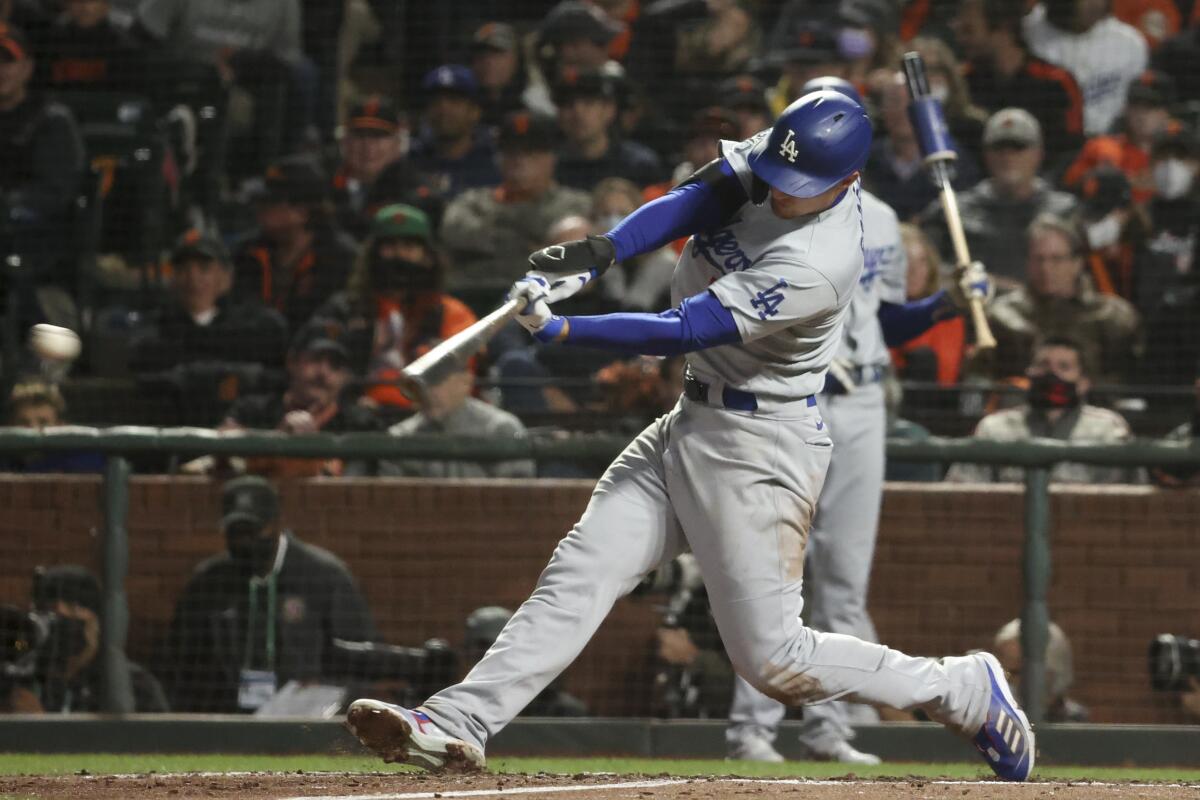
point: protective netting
(254, 213)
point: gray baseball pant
(838, 565)
(739, 489)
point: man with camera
(49, 656)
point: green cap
(399, 221)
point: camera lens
(1173, 659)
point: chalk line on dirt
(579, 787)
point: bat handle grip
(984, 340)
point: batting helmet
(816, 142)
(833, 83)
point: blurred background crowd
(256, 212)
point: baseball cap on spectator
(195, 244)
(494, 36)
(451, 79)
(1103, 189)
(743, 91)
(317, 341)
(1151, 88)
(375, 116)
(527, 131)
(806, 41)
(400, 221)
(574, 83)
(571, 20)
(713, 122)
(13, 45)
(249, 500)
(294, 180)
(1012, 126)
(69, 583)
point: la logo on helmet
(788, 148)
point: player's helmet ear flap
(816, 142)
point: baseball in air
(54, 343)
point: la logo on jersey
(788, 148)
(768, 300)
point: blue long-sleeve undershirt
(700, 322)
(903, 322)
(704, 201)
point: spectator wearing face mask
(1175, 206)
(1056, 408)
(1146, 118)
(1059, 299)
(1173, 340)
(393, 309)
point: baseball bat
(933, 135)
(453, 354)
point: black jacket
(239, 333)
(296, 291)
(317, 600)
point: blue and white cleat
(1006, 738)
(403, 736)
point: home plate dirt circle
(408, 786)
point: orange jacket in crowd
(947, 340)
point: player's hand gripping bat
(453, 354)
(925, 112)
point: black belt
(861, 375)
(735, 399)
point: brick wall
(947, 569)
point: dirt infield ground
(350, 786)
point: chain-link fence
(254, 214)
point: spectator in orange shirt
(1147, 116)
(393, 309)
(936, 354)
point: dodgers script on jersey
(788, 283)
(885, 272)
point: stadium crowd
(260, 213)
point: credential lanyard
(272, 605)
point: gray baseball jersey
(787, 283)
(885, 271)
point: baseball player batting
(733, 472)
(841, 545)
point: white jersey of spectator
(786, 285)
(200, 29)
(1104, 60)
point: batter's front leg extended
(627, 530)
